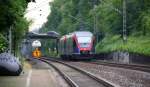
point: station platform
(35, 74)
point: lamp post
(124, 22)
(10, 40)
(95, 29)
(95, 23)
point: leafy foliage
(107, 16)
(67, 16)
(12, 15)
(3, 44)
(138, 45)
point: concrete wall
(125, 57)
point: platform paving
(35, 74)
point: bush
(140, 45)
(3, 45)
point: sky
(37, 12)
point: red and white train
(77, 45)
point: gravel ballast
(118, 76)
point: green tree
(72, 15)
(12, 15)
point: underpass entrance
(47, 47)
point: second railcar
(77, 45)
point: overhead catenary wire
(124, 16)
(112, 7)
(123, 13)
(36, 8)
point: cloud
(37, 12)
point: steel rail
(66, 77)
(103, 82)
(144, 68)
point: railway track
(144, 68)
(76, 77)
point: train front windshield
(84, 41)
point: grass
(135, 44)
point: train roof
(78, 34)
(83, 33)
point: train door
(64, 46)
(75, 47)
